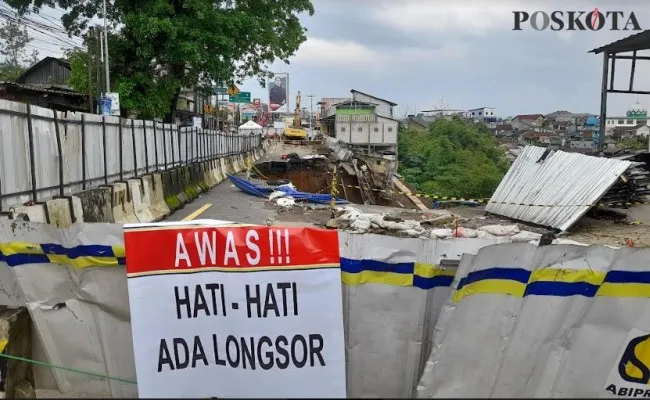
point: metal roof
(639, 41)
(555, 191)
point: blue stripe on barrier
(512, 274)
(356, 266)
(79, 251)
(628, 277)
(430, 283)
(561, 289)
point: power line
(50, 31)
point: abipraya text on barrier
(227, 310)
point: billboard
(278, 86)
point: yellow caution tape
(486, 200)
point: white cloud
(338, 54)
(467, 17)
(348, 55)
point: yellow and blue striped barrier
(519, 282)
(20, 253)
(421, 275)
(516, 282)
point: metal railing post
(83, 151)
(32, 156)
(121, 153)
(135, 152)
(146, 146)
(105, 150)
(59, 148)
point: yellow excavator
(296, 131)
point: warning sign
(235, 311)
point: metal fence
(46, 153)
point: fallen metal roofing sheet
(557, 191)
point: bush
(453, 158)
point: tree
(163, 46)
(13, 48)
(453, 158)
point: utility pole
(311, 110)
(89, 36)
(98, 64)
(101, 59)
(108, 76)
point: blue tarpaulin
(265, 191)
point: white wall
(359, 132)
(381, 108)
(171, 145)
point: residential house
(533, 137)
(482, 114)
(192, 104)
(417, 122)
(640, 130)
(583, 144)
(383, 107)
(528, 122)
(502, 128)
(358, 124)
(45, 84)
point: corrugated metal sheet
(557, 191)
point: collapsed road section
(319, 169)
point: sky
(460, 54)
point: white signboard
(235, 311)
(115, 103)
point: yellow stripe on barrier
(119, 251)
(624, 290)
(386, 278)
(491, 286)
(12, 248)
(426, 270)
(83, 262)
(567, 275)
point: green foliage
(163, 46)
(634, 143)
(13, 48)
(454, 158)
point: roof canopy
(640, 41)
(250, 125)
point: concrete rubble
(439, 224)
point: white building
(636, 115)
(383, 107)
(364, 121)
(485, 114)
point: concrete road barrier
(209, 174)
(190, 181)
(123, 211)
(157, 208)
(169, 192)
(202, 183)
(97, 205)
(63, 212)
(141, 202)
(34, 212)
(157, 195)
(223, 167)
(218, 175)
